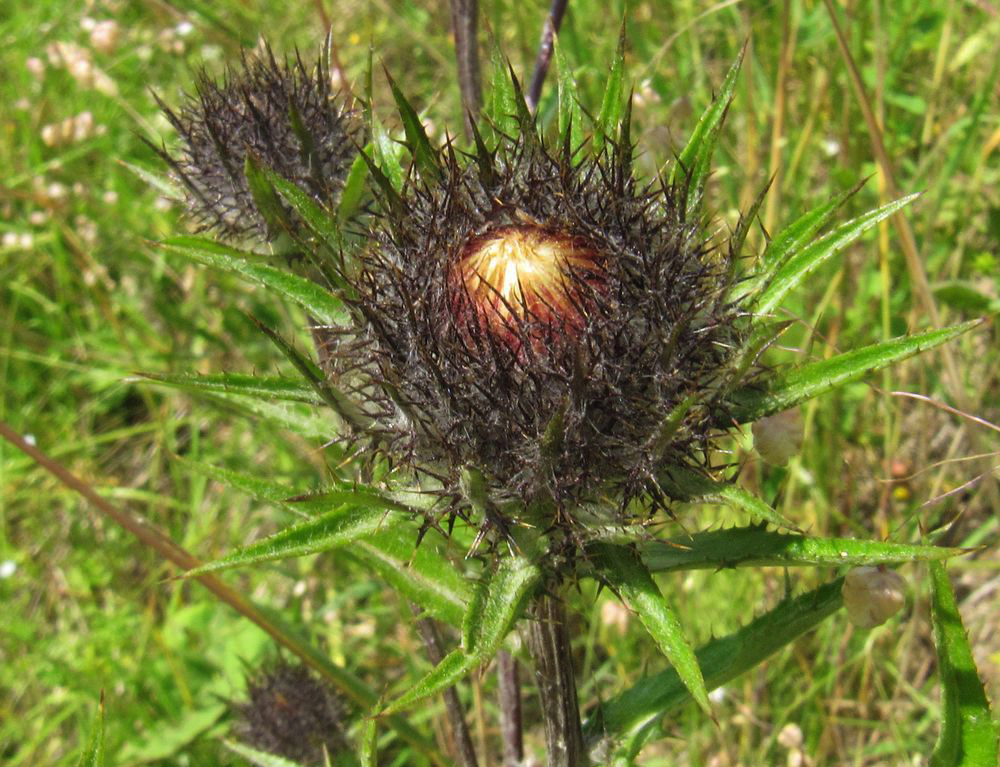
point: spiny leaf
(636, 711)
(321, 222)
(495, 599)
(423, 575)
(695, 160)
(570, 116)
(695, 488)
(803, 262)
(813, 379)
(424, 156)
(93, 753)
(348, 410)
(795, 236)
(502, 110)
(608, 119)
(264, 490)
(625, 574)
(756, 546)
(368, 748)
(263, 387)
(301, 419)
(352, 519)
(490, 617)
(265, 198)
(318, 302)
(354, 188)
(968, 736)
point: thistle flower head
(291, 713)
(283, 116)
(535, 313)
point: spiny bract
(533, 313)
(281, 115)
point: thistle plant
(524, 347)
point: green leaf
(262, 490)
(608, 119)
(301, 419)
(695, 488)
(263, 387)
(496, 598)
(368, 748)
(349, 411)
(356, 516)
(265, 198)
(756, 546)
(492, 614)
(502, 108)
(422, 575)
(319, 303)
(965, 297)
(354, 189)
(625, 574)
(93, 752)
(800, 232)
(321, 222)
(808, 381)
(387, 154)
(695, 160)
(638, 709)
(803, 262)
(570, 116)
(968, 736)
(424, 156)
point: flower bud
(778, 437)
(872, 595)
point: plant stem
(511, 730)
(548, 641)
(453, 707)
(549, 31)
(463, 22)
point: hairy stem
(549, 31)
(463, 22)
(548, 641)
(511, 728)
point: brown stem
(548, 641)
(170, 551)
(511, 727)
(453, 707)
(544, 58)
(463, 23)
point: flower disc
(521, 274)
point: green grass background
(87, 299)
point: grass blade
(93, 755)
(626, 575)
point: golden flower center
(519, 273)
